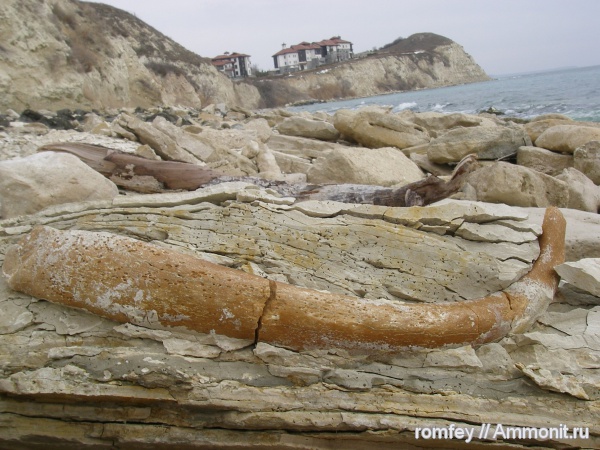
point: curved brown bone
(305, 319)
(132, 281)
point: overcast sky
(503, 36)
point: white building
(308, 55)
(234, 65)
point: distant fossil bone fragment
(144, 175)
(131, 281)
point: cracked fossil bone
(126, 280)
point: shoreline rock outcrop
(131, 282)
(66, 373)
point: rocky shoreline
(97, 380)
(548, 161)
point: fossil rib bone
(131, 281)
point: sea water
(573, 92)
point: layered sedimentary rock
(136, 381)
(68, 377)
(130, 281)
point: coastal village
(302, 56)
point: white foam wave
(405, 105)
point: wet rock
(28, 185)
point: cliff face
(69, 54)
(65, 53)
(424, 60)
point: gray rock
(463, 357)
(28, 185)
(555, 381)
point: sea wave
(573, 92)
(405, 105)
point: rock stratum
(163, 286)
(68, 54)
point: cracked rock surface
(75, 378)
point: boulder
(542, 160)
(583, 193)
(308, 128)
(261, 127)
(301, 147)
(583, 229)
(291, 163)
(95, 124)
(487, 142)
(426, 165)
(518, 186)
(128, 384)
(164, 145)
(28, 185)
(267, 164)
(537, 126)
(376, 128)
(438, 123)
(567, 138)
(583, 274)
(381, 166)
(189, 142)
(586, 159)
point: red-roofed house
(306, 55)
(335, 49)
(234, 65)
